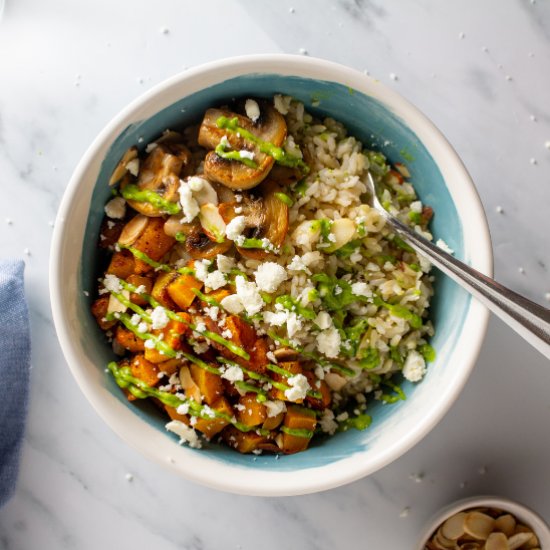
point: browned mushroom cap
(266, 218)
(269, 127)
(160, 172)
(200, 247)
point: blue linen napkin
(15, 353)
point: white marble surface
(67, 67)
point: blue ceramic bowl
(380, 119)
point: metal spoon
(528, 319)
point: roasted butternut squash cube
(181, 290)
(160, 290)
(128, 340)
(171, 366)
(99, 311)
(273, 422)
(122, 264)
(298, 418)
(212, 426)
(140, 280)
(210, 384)
(154, 242)
(318, 386)
(258, 356)
(293, 367)
(249, 411)
(171, 336)
(219, 294)
(144, 370)
(244, 442)
(174, 415)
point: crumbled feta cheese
(271, 356)
(200, 327)
(116, 208)
(225, 263)
(149, 344)
(252, 110)
(444, 246)
(159, 318)
(200, 347)
(183, 408)
(196, 183)
(212, 312)
(269, 276)
(151, 147)
(298, 387)
(249, 295)
(232, 304)
(227, 334)
(235, 228)
(215, 280)
(328, 342)
(361, 289)
(416, 206)
(274, 408)
(323, 320)
(425, 264)
(208, 411)
(244, 154)
(133, 167)
(112, 283)
(135, 319)
(201, 269)
(140, 289)
(233, 374)
(298, 264)
(337, 290)
(142, 327)
(189, 205)
(276, 319)
(185, 433)
(342, 417)
(293, 324)
(415, 367)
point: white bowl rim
(517, 509)
(242, 480)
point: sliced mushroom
(122, 166)
(286, 354)
(200, 247)
(285, 175)
(269, 127)
(266, 218)
(160, 172)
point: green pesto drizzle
(279, 154)
(297, 432)
(283, 197)
(221, 151)
(261, 395)
(157, 265)
(134, 193)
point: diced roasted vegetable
(300, 423)
(140, 281)
(122, 264)
(99, 311)
(212, 426)
(160, 290)
(244, 442)
(144, 370)
(181, 290)
(210, 384)
(153, 242)
(249, 411)
(128, 340)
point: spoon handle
(527, 318)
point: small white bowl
(521, 512)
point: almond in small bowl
(485, 523)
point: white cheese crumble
(276, 319)
(185, 433)
(149, 344)
(298, 387)
(135, 319)
(235, 227)
(444, 246)
(189, 205)
(215, 280)
(274, 408)
(232, 304)
(225, 263)
(183, 408)
(233, 374)
(323, 320)
(201, 269)
(252, 110)
(328, 342)
(415, 367)
(293, 324)
(133, 167)
(111, 283)
(142, 327)
(269, 276)
(416, 206)
(159, 318)
(361, 289)
(244, 154)
(249, 295)
(196, 183)
(116, 208)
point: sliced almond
(478, 525)
(453, 528)
(115, 306)
(442, 541)
(203, 191)
(189, 385)
(122, 166)
(506, 524)
(133, 230)
(496, 541)
(335, 381)
(343, 231)
(212, 222)
(519, 539)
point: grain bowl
(381, 122)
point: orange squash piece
(293, 367)
(210, 384)
(249, 411)
(181, 290)
(297, 418)
(128, 340)
(140, 280)
(319, 386)
(174, 415)
(244, 442)
(144, 370)
(172, 334)
(154, 242)
(212, 426)
(122, 264)
(99, 311)
(160, 290)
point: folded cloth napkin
(15, 353)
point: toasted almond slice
(335, 381)
(133, 230)
(122, 166)
(506, 524)
(478, 525)
(203, 191)
(496, 541)
(453, 528)
(343, 230)
(115, 306)
(532, 543)
(189, 385)
(519, 539)
(443, 541)
(212, 222)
